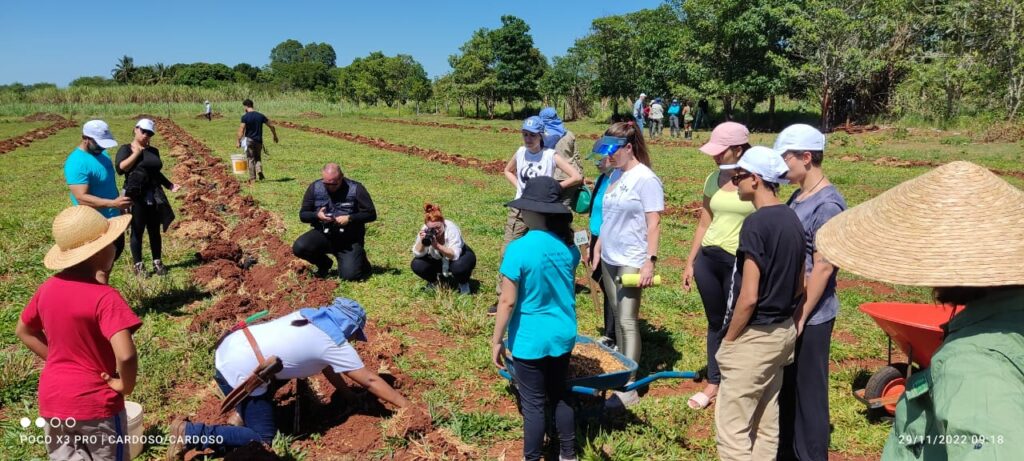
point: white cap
(763, 162)
(99, 131)
(145, 124)
(643, 95)
(799, 137)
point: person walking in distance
(250, 137)
(209, 111)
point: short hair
(817, 156)
(332, 168)
(247, 103)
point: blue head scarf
(342, 320)
(553, 127)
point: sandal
(699, 401)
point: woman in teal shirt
(538, 308)
(957, 229)
(600, 186)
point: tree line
(853, 59)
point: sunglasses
(736, 178)
(607, 145)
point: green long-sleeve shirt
(969, 405)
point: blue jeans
(257, 412)
(639, 122)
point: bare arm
(510, 172)
(34, 339)
(273, 130)
(702, 227)
(81, 193)
(505, 304)
(378, 387)
(127, 363)
(816, 282)
(653, 219)
(746, 301)
(574, 176)
(241, 133)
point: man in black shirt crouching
(338, 208)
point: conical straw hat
(81, 232)
(957, 225)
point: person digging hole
(298, 345)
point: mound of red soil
(212, 115)
(44, 117)
(311, 115)
(221, 249)
(24, 140)
(491, 167)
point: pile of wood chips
(590, 360)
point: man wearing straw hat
(759, 330)
(89, 173)
(82, 328)
(960, 230)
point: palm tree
(124, 70)
(160, 69)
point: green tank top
(728, 213)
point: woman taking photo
(713, 252)
(439, 252)
(144, 183)
(538, 308)
(630, 229)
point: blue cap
(533, 124)
(607, 145)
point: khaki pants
(747, 412)
(515, 227)
(92, 440)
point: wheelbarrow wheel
(888, 381)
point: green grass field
(460, 384)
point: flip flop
(699, 401)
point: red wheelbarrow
(917, 331)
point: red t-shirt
(78, 318)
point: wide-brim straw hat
(81, 232)
(958, 225)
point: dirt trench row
(59, 123)
(505, 129)
(252, 269)
(433, 155)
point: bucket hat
(81, 232)
(957, 225)
(541, 194)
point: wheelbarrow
(917, 331)
(599, 385)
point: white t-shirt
(623, 220)
(530, 165)
(304, 351)
(452, 239)
(207, 108)
(657, 111)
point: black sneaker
(158, 267)
(323, 271)
(261, 176)
(493, 310)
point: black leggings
(541, 384)
(429, 269)
(804, 431)
(713, 271)
(145, 218)
(315, 245)
(609, 312)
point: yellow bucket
(239, 165)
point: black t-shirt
(254, 125)
(149, 162)
(773, 238)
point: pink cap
(724, 136)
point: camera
(329, 225)
(428, 236)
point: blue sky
(58, 41)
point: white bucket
(134, 432)
(239, 165)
